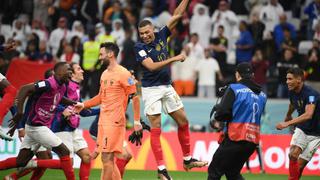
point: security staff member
(240, 108)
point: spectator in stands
(257, 28)
(196, 50)
(32, 51)
(228, 19)
(184, 74)
(207, 69)
(77, 46)
(44, 55)
(260, 67)
(106, 37)
(90, 59)
(288, 41)
(38, 28)
(312, 67)
(116, 12)
(11, 53)
(40, 9)
(200, 23)
(99, 30)
(270, 14)
(63, 43)
(3, 65)
(313, 12)
(219, 45)
(20, 32)
(175, 43)
(244, 45)
(278, 30)
(69, 55)
(118, 34)
(317, 32)
(286, 62)
(128, 55)
(77, 30)
(61, 32)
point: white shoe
(4, 135)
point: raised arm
(177, 14)
(155, 66)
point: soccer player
(50, 93)
(8, 93)
(116, 84)
(306, 138)
(157, 91)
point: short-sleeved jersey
(157, 51)
(299, 101)
(115, 87)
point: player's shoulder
(140, 45)
(123, 71)
(309, 91)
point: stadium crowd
(215, 35)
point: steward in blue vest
(240, 108)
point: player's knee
(293, 156)
(61, 150)
(86, 158)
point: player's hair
(48, 73)
(57, 66)
(296, 72)
(111, 46)
(71, 65)
(144, 23)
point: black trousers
(229, 159)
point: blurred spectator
(90, 58)
(106, 37)
(270, 14)
(99, 29)
(88, 12)
(200, 23)
(288, 42)
(260, 67)
(3, 65)
(219, 45)
(118, 34)
(147, 10)
(32, 51)
(207, 69)
(69, 55)
(40, 11)
(20, 32)
(184, 74)
(196, 50)
(77, 30)
(63, 43)
(317, 32)
(238, 7)
(175, 43)
(312, 67)
(116, 12)
(257, 28)
(61, 32)
(128, 55)
(312, 10)
(286, 62)
(39, 29)
(228, 19)
(77, 46)
(12, 53)
(44, 55)
(278, 30)
(244, 45)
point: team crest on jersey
(130, 81)
(311, 99)
(111, 82)
(105, 82)
(158, 47)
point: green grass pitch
(151, 175)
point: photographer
(240, 108)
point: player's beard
(105, 62)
